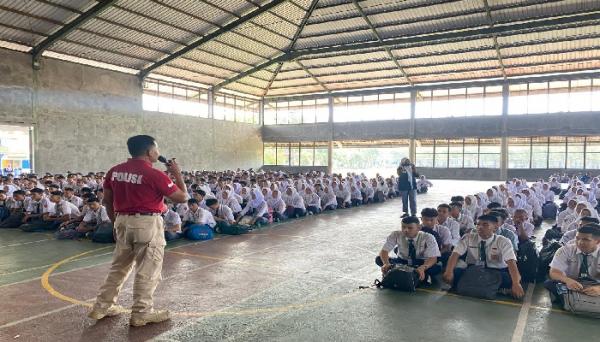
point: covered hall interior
(474, 92)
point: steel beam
(229, 27)
(488, 12)
(68, 28)
(241, 75)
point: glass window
(269, 154)
(475, 101)
(441, 153)
(557, 153)
(295, 154)
(580, 99)
(370, 157)
(322, 110)
(455, 153)
(424, 153)
(283, 154)
(457, 100)
(537, 98)
(321, 154)
(439, 103)
(596, 94)
(592, 153)
(519, 153)
(307, 151)
(294, 112)
(471, 155)
(423, 104)
(575, 155)
(493, 100)
(270, 113)
(489, 153)
(539, 153)
(219, 107)
(402, 105)
(558, 96)
(308, 111)
(340, 108)
(517, 100)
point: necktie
(583, 268)
(482, 255)
(38, 208)
(412, 251)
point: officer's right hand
(173, 167)
(574, 285)
(385, 268)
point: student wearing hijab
(294, 203)
(312, 202)
(257, 208)
(277, 206)
(328, 200)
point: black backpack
(527, 261)
(401, 278)
(479, 282)
(545, 258)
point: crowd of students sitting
(223, 202)
(495, 231)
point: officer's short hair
(411, 220)
(592, 228)
(140, 144)
(211, 201)
(429, 212)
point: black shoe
(405, 215)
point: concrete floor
(297, 281)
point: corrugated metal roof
(138, 33)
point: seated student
(522, 225)
(423, 185)
(312, 201)
(570, 235)
(197, 215)
(222, 214)
(60, 212)
(294, 203)
(37, 207)
(414, 248)
(485, 248)
(328, 200)
(172, 223)
(230, 199)
(343, 197)
(442, 234)
(70, 197)
(577, 265)
(257, 208)
(356, 197)
(277, 206)
(200, 197)
(445, 220)
(505, 229)
(465, 221)
(4, 210)
(95, 216)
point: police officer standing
(133, 196)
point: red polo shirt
(137, 187)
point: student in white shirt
(445, 220)
(312, 202)
(577, 264)
(95, 215)
(343, 196)
(465, 221)
(277, 206)
(197, 215)
(70, 197)
(294, 203)
(257, 208)
(328, 200)
(485, 248)
(423, 185)
(441, 233)
(522, 225)
(172, 223)
(222, 214)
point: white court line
(31, 318)
(25, 243)
(523, 314)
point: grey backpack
(580, 303)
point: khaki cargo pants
(140, 241)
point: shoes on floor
(142, 318)
(99, 314)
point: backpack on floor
(545, 258)
(4, 213)
(580, 303)
(103, 233)
(68, 234)
(549, 211)
(401, 278)
(39, 226)
(479, 282)
(235, 229)
(199, 232)
(527, 261)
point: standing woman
(407, 185)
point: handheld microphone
(163, 160)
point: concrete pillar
(330, 144)
(412, 148)
(211, 104)
(261, 112)
(504, 138)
